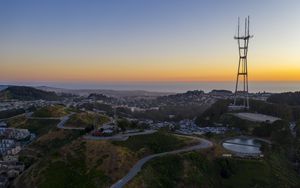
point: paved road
(203, 144)
(118, 137)
(28, 115)
(43, 118)
(61, 124)
(19, 115)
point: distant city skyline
(145, 41)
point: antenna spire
(242, 73)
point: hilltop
(2, 87)
(27, 93)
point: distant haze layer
(178, 87)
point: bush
(281, 134)
(264, 130)
(278, 110)
(226, 167)
(290, 98)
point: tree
(213, 113)
(278, 110)
(89, 128)
(264, 130)
(227, 167)
(281, 134)
(123, 124)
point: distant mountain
(222, 92)
(54, 89)
(184, 98)
(100, 97)
(2, 87)
(110, 93)
(27, 93)
(61, 92)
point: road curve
(203, 144)
(119, 137)
(63, 120)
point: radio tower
(243, 42)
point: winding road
(119, 137)
(203, 144)
(63, 120)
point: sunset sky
(146, 40)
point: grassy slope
(26, 93)
(69, 169)
(50, 111)
(70, 161)
(154, 143)
(85, 119)
(80, 164)
(61, 158)
(195, 170)
(49, 140)
(37, 126)
(282, 171)
(39, 152)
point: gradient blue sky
(139, 40)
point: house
(3, 182)
(3, 124)
(13, 133)
(10, 158)
(13, 173)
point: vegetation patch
(54, 140)
(154, 143)
(290, 98)
(27, 93)
(72, 172)
(99, 106)
(37, 126)
(10, 113)
(213, 113)
(165, 172)
(86, 119)
(197, 170)
(50, 111)
(78, 163)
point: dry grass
(51, 111)
(16, 121)
(114, 161)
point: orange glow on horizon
(179, 69)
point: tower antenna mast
(242, 73)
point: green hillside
(26, 93)
(51, 111)
(197, 170)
